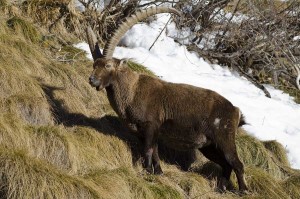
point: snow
(296, 38)
(268, 119)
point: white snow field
(277, 118)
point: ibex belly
(183, 137)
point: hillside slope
(59, 138)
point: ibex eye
(107, 66)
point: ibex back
(182, 116)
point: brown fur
(184, 117)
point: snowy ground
(269, 119)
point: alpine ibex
(182, 116)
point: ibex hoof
(158, 171)
(244, 192)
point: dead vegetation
(258, 39)
(60, 139)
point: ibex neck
(121, 92)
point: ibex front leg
(149, 132)
(156, 161)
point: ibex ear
(93, 43)
(122, 63)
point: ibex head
(104, 72)
(104, 64)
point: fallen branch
(253, 81)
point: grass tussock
(90, 151)
(59, 16)
(31, 109)
(27, 28)
(278, 151)
(139, 68)
(264, 185)
(26, 177)
(291, 186)
(258, 154)
(193, 184)
(59, 139)
(3, 3)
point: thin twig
(255, 82)
(160, 34)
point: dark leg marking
(156, 161)
(148, 131)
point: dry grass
(139, 68)
(28, 30)
(254, 153)
(264, 185)
(291, 186)
(59, 140)
(23, 176)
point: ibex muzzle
(182, 116)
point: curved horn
(297, 67)
(93, 43)
(129, 22)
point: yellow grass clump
(264, 185)
(25, 177)
(278, 151)
(291, 186)
(139, 68)
(253, 153)
(28, 30)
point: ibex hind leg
(229, 150)
(213, 154)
